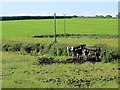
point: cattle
(93, 54)
(83, 53)
(75, 50)
(78, 52)
(69, 51)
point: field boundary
(78, 36)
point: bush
(47, 48)
(6, 47)
(64, 51)
(59, 51)
(111, 56)
(42, 49)
(11, 47)
(108, 54)
(53, 51)
(28, 48)
(16, 47)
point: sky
(60, 8)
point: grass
(67, 41)
(25, 28)
(22, 72)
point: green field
(21, 69)
(25, 28)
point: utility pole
(64, 24)
(55, 27)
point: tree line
(3, 18)
(31, 17)
(97, 16)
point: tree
(99, 16)
(82, 16)
(75, 16)
(108, 16)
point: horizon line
(61, 15)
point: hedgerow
(78, 36)
(108, 54)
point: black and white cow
(75, 50)
(81, 52)
(69, 52)
(92, 54)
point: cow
(75, 50)
(78, 53)
(94, 54)
(83, 53)
(69, 51)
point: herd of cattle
(83, 53)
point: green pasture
(23, 30)
(28, 28)
(23, 71)
(67, 41)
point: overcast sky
(68, 8)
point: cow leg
(85, 58)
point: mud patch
(50, 60)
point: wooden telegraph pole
(64, 24)
(55, 27)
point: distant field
(25, 28)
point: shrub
(16, 47)
(6, 47)
(59, 51)
(53, 51)
(64, 51)
(37, 47)
(47, 48)
(108, 54)
(28, 48)
(42, 49)
(11, 47)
